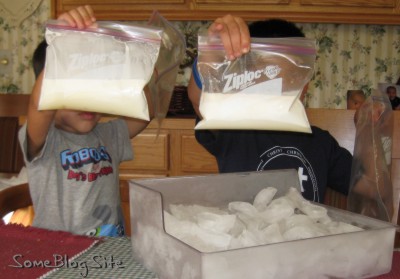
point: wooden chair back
(11, 107)
(14, 198)
(339, 123)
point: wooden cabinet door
(126, 9)
(151, 155)
(350, 11)
(228, 3)
(315, 11)
(350, 3)
(193, 158)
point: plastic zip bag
(371, 190)
(101, 69)
(172, 52)
(260, 90)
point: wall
(349, 56)
(21, 40)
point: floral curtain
(349, 56)
(15, 12)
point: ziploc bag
(102, 69)
(371, 189)
(172, 52)
(260, 90)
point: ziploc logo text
(80, 61)
(236, 81)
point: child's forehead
(358, 97)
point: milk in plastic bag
(260, 90)
(101, 69)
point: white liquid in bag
(252, 112)
(118, 97)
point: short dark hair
(390, 87)
(353, 92)
(274, 28)
(39, 58)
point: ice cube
(301, 226)
(264, 197)
(295, 196)
(272, 234)
(242, 207)
(277, 210)
(219, 223)
(341, 227)
(195, 236)
(246, 239)
(189, 212)
(314, 211)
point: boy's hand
(234, 34)
(81, 17)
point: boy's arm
(235, 37)
(82, 17)
(194, 95)
(38, 122)
(135, 126)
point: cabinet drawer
(194, 157)
(351, 3)
(150, 152)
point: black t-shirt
(395, 102)
(317, 157)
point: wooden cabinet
(321, 11)
(151, 155)
(194, 157)
(169, 150)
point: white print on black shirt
(304, 168)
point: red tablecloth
(21, 246)
(28, 252)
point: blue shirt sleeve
(196, 75)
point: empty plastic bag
(371, 190)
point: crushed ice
(242, 224)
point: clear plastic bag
(260, 90)
(102, 69)
(172, 52)
(371, 190)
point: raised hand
(80, 17)
(234, 34)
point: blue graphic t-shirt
(74, 182)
